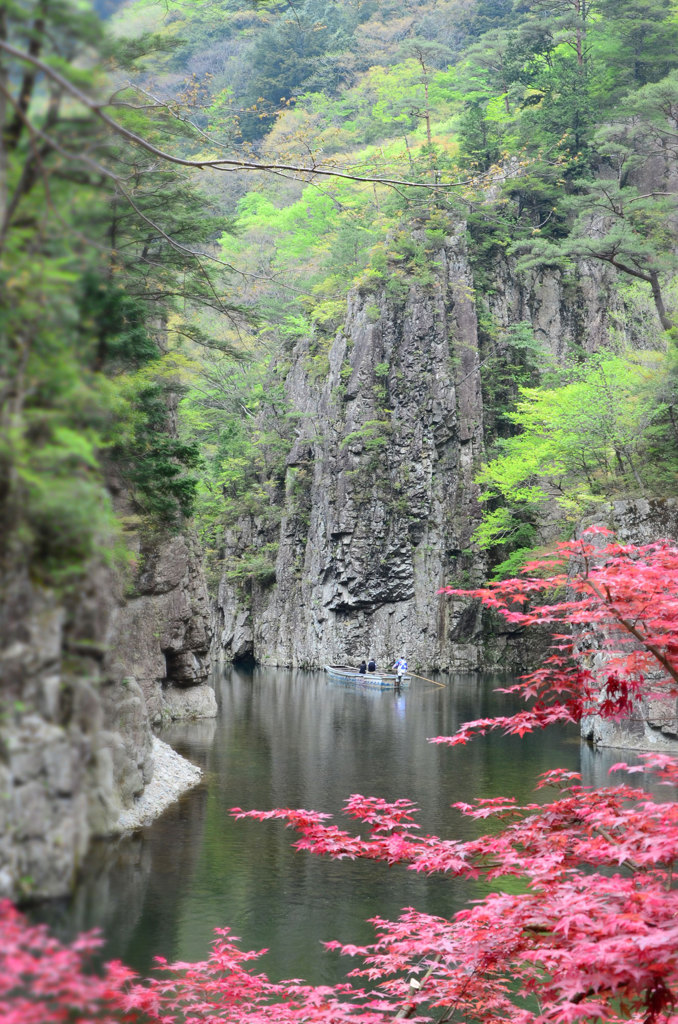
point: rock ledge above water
(172, 776)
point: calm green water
(292, 738)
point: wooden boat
(375, 680)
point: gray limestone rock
(193, 702)
(165, 622)
(82, 676)
(379, 502)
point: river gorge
(291, 738)
(319, 318)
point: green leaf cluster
(595, 434)
(99, 281)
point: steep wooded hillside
(542, 138)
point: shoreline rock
(172, 776)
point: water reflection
(291, 738)
(596, 769)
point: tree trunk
(666, 321)
(632, 466)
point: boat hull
(371, 680)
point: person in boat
(371, 665)
(363, 667)
(400, 666)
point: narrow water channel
(292, 738)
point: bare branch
(223, 164)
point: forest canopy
(135, 286)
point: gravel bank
(172, 776)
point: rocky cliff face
(164, 624)
(378, 505)
(83, 677)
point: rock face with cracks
(84, 675)
(378, 505)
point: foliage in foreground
(591, 931)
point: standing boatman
(400, 666)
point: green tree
(97, 255)
(293, 54)
(577, 443)
(641, 40)
(568, 22)
(615, 221)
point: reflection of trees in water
(288, 738)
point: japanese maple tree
(43, 981)
(619, 604)
(582, 922)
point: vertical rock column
(165, 632)
(380, 502)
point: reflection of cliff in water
(596, 763)
(288, 738)
(131, 887)
(113, 867)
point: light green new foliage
(238, 413)
(401, 100)
(317, 243)
(578, 443)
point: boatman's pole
(426, 679)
